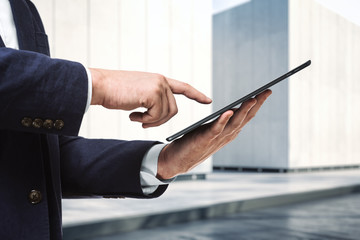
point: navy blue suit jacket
(42, 102)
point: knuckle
(160, 76)
(144, 102)
(186, 85)
(160, 79)
(158, 90)
(155, 91)
(160, 84)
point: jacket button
(35, 197)
(37, 123)
(48, 124)
(59, 124)
(26, 122)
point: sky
(349, 9)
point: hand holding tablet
(237, 102)
(193, 148)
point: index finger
(187, 90)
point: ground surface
(332, 218)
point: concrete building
(311, 120)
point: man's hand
(187, 152)
(128, 90)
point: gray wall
(250, 48)
(324, 112)
(311, 120)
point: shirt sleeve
(89, 89)
(148, 171)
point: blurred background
(227, 48)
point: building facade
(311, 120)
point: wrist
(165, 170)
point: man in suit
(42, 102)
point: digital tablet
(237, 102)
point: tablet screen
(237, 102)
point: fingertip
(228, 115)
(231, 113)
(204, 100)
(224, 118)
(268, 92)
(131, 117)
(219, 125)
(263, 96)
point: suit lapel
(24, 25)
(2, 44)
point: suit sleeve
(100, 167)
(40, 94)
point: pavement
(221, 195)
(334, 218)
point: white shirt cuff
(89, 89)
(148, 171)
